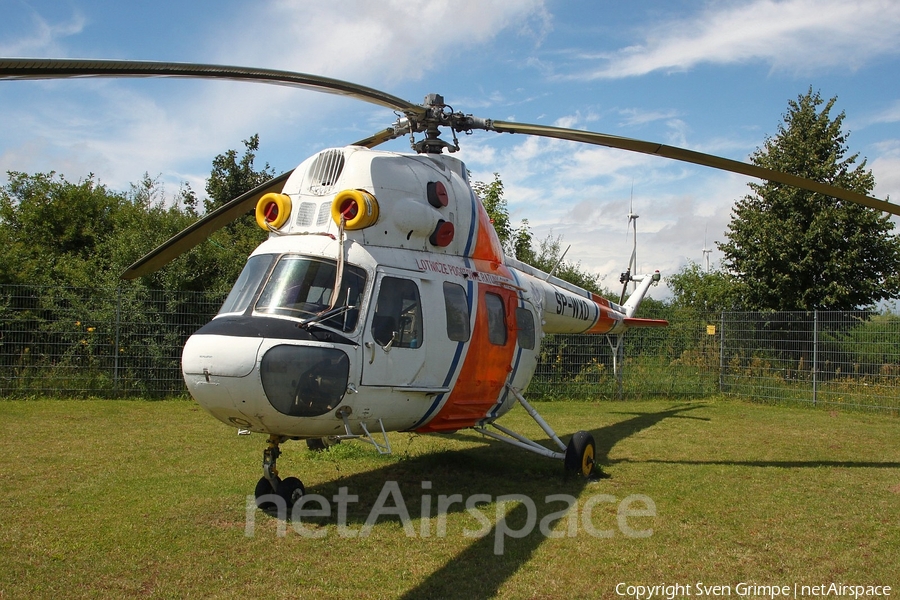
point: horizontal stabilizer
(634, 322)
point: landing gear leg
(578, 455)
(290, 488)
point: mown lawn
(149, 499)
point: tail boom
(566, 308)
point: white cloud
(381, 42)
(135, 126)
(633, 117)
(891, 114)
(792, 35)
(44, 37)
(583, 193)
(886, 168)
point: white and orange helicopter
(382, 300)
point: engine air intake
(273, 210)
(358, 209)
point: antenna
(706, 251)
(559, 262)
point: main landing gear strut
(578, 454)
(290, 489)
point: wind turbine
(632, 263)
(615, 341)
(706, 251)
(632, 224)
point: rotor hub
(436, 114)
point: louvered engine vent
(324, 172)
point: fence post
(815, 361)
(116, 350)
(722, 353)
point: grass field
(149, 499)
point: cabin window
(302, 287)
(525, 325)
(496, 318)
(457, 309)
(245, 287)
(398, 314)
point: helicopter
(382, 300)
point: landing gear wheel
(580, 454)
(264, 488)
(291, 489)
(319, 444)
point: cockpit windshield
(302, 287)
(246, 286)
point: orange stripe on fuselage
(486, 366)
(483, 375)
(487, 244)
(605, 321)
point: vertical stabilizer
(637, 296)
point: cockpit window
(302, 287)
(245, 287)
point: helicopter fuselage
(382, 300)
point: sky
(713, 76)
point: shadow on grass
(492, 570)
(776, 464)
(492, 471)
(607, 437)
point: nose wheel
(270, 486)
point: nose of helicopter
(261, 383)
(304, 381)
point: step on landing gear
(290, 489)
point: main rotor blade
(385, 135)
(63, 68)
(203, 228)
(698, 158)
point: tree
(522, 244)
(793, 249)
(549, 253)
(53, 231)
(230, 177)
(516, 241)
(56, 232)
(705, 291)
(519, 242)
(491, 195)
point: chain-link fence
(681, 360)
(96, 342)
(831, 358)
(127, 342)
